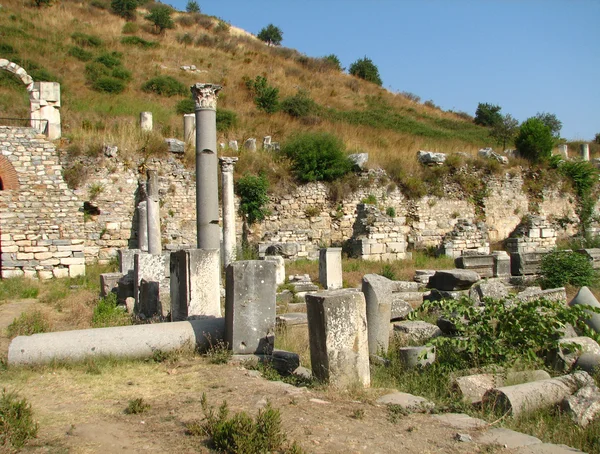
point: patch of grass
(18, 288)
(16, 421)
(165, 86)
(28, 323)
(85, 40)
(80, 53)
(107, 313)
(140, 42)
(137, 406)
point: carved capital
(227, 164)
(205, 95)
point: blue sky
(527, 56)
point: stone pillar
(501, 264)
(148, 269)
(563, 150)
(337, 329)
(585, 151)
(146, 121)
(153, 209)
(195, 286)
(228, 200)
(44, 100)
(207, 186)
(250, 307)
(330, 268)
(142, 210)
(378, 296)
(279, 267)
(189, 128)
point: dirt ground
(80, 409)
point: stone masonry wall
(41, 225)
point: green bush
(86, 40)
(124, 8)
(137, 41)
(16, 421)
(186, 106)
(299, 105)
(271, 35)
(108, 84)
(137, 406)
(364, 68)
(80, 54)
(121, 73)
(266, 97)
(561, 268)
(107, 313)
(534, 140)
(252, 191)
(226, 120)
(160, 16)
(334, 62)
(28, 323)
(584, 178)
(192, 6)
(130, 28)
(110, 60)
(317, 157)
(95, 70)
(165, 86)
(487, 114)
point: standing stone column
(378, 297)
(142, 210)
(146, 121)
(585, 151)
(229, 246)
(330, 268)
(563, 150)
(189, 128)
(207, 185)
(153, 208)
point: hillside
(57, 43)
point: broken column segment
(195, 289)
(153, 210)
(229, 242)
(250, 306)
(207, 188)
(142, 210)
(330, 268)
(337, 327)
(378, 296)
(146, 121)
(189, 128)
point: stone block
(330, 268)
(279, 267)
(337, 325)
(109, 283)
(585, 297)
(378, 296)
(250, 306)
(60, 273)
(489, 289)
(450, 280)
(501, 264)
(400, 307)
(481, 264)
(417, 331)
(195, 283)
(412, 357)
(149, 298)
(525, 263)
(72, 261)
(149, 267)
(126, 259)
(76, 270)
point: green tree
(334, 61)
(160, 16)
(266, 97)
(252, 191)
(271, 35)
(550, 120)
(124, 8)
(192, 6)
(534, 141)
(487, 114)
(505, 130)
(365, 69)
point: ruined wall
(41, 225)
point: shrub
(334, 62)
(252, 191)
(121, 73)
(391, 212)
(186, 106)
(130, 28)
(222, 27)
(317, 157)
(487, 114)
(86, 40)
(271, 35)
(226, 120)
(137, 41)
(16, 421)
(28, 323)
(192, 6)
(95, 70)
(79, 53)
(107, 84)
(299, 105)
(160, 16)
(165, 86)
(266, 97)
(185, 39)
(136, 406)
(364, 68)
(534, 141)
(107, 313)
(110, 60)
(584, 178)
(124, 8)
(561, 268)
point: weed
(137, 41)
(396, 412)
(219, 352)
(358, 414)
(391, 212)
(95, 190)
(16, 421)
(107, 313)
(80, 54)
(388, 272)
(312, 211)
(137, 406)
(84, 40)
(371, 199)
(28, 323)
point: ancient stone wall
(42, 230)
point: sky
(527, 56)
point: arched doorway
(8, 175)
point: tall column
(207, 185)
(227, 165)
(154, 241)
(585, 151)
(143, 225)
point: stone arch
(19, 72)
(8, 175)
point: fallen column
(535, 395)
(139, 341)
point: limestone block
(569, 350)
(337, 325)
(250, 306)
(400, 307)
(330, 268)
(49, 91)
(501, 264)
(60, 273)
(195, 283)
(45, 274)
(109, 283)
(149, 267)
(76, 270)
(415, 404)
(279, 267)
(586, 298)
(489, 289)
(456, 279)
(584, 405)
(412, 357)
(126, 259)
(72, 261)
(146, 121)
(417, 331)
(378, 296)
(525, 263)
